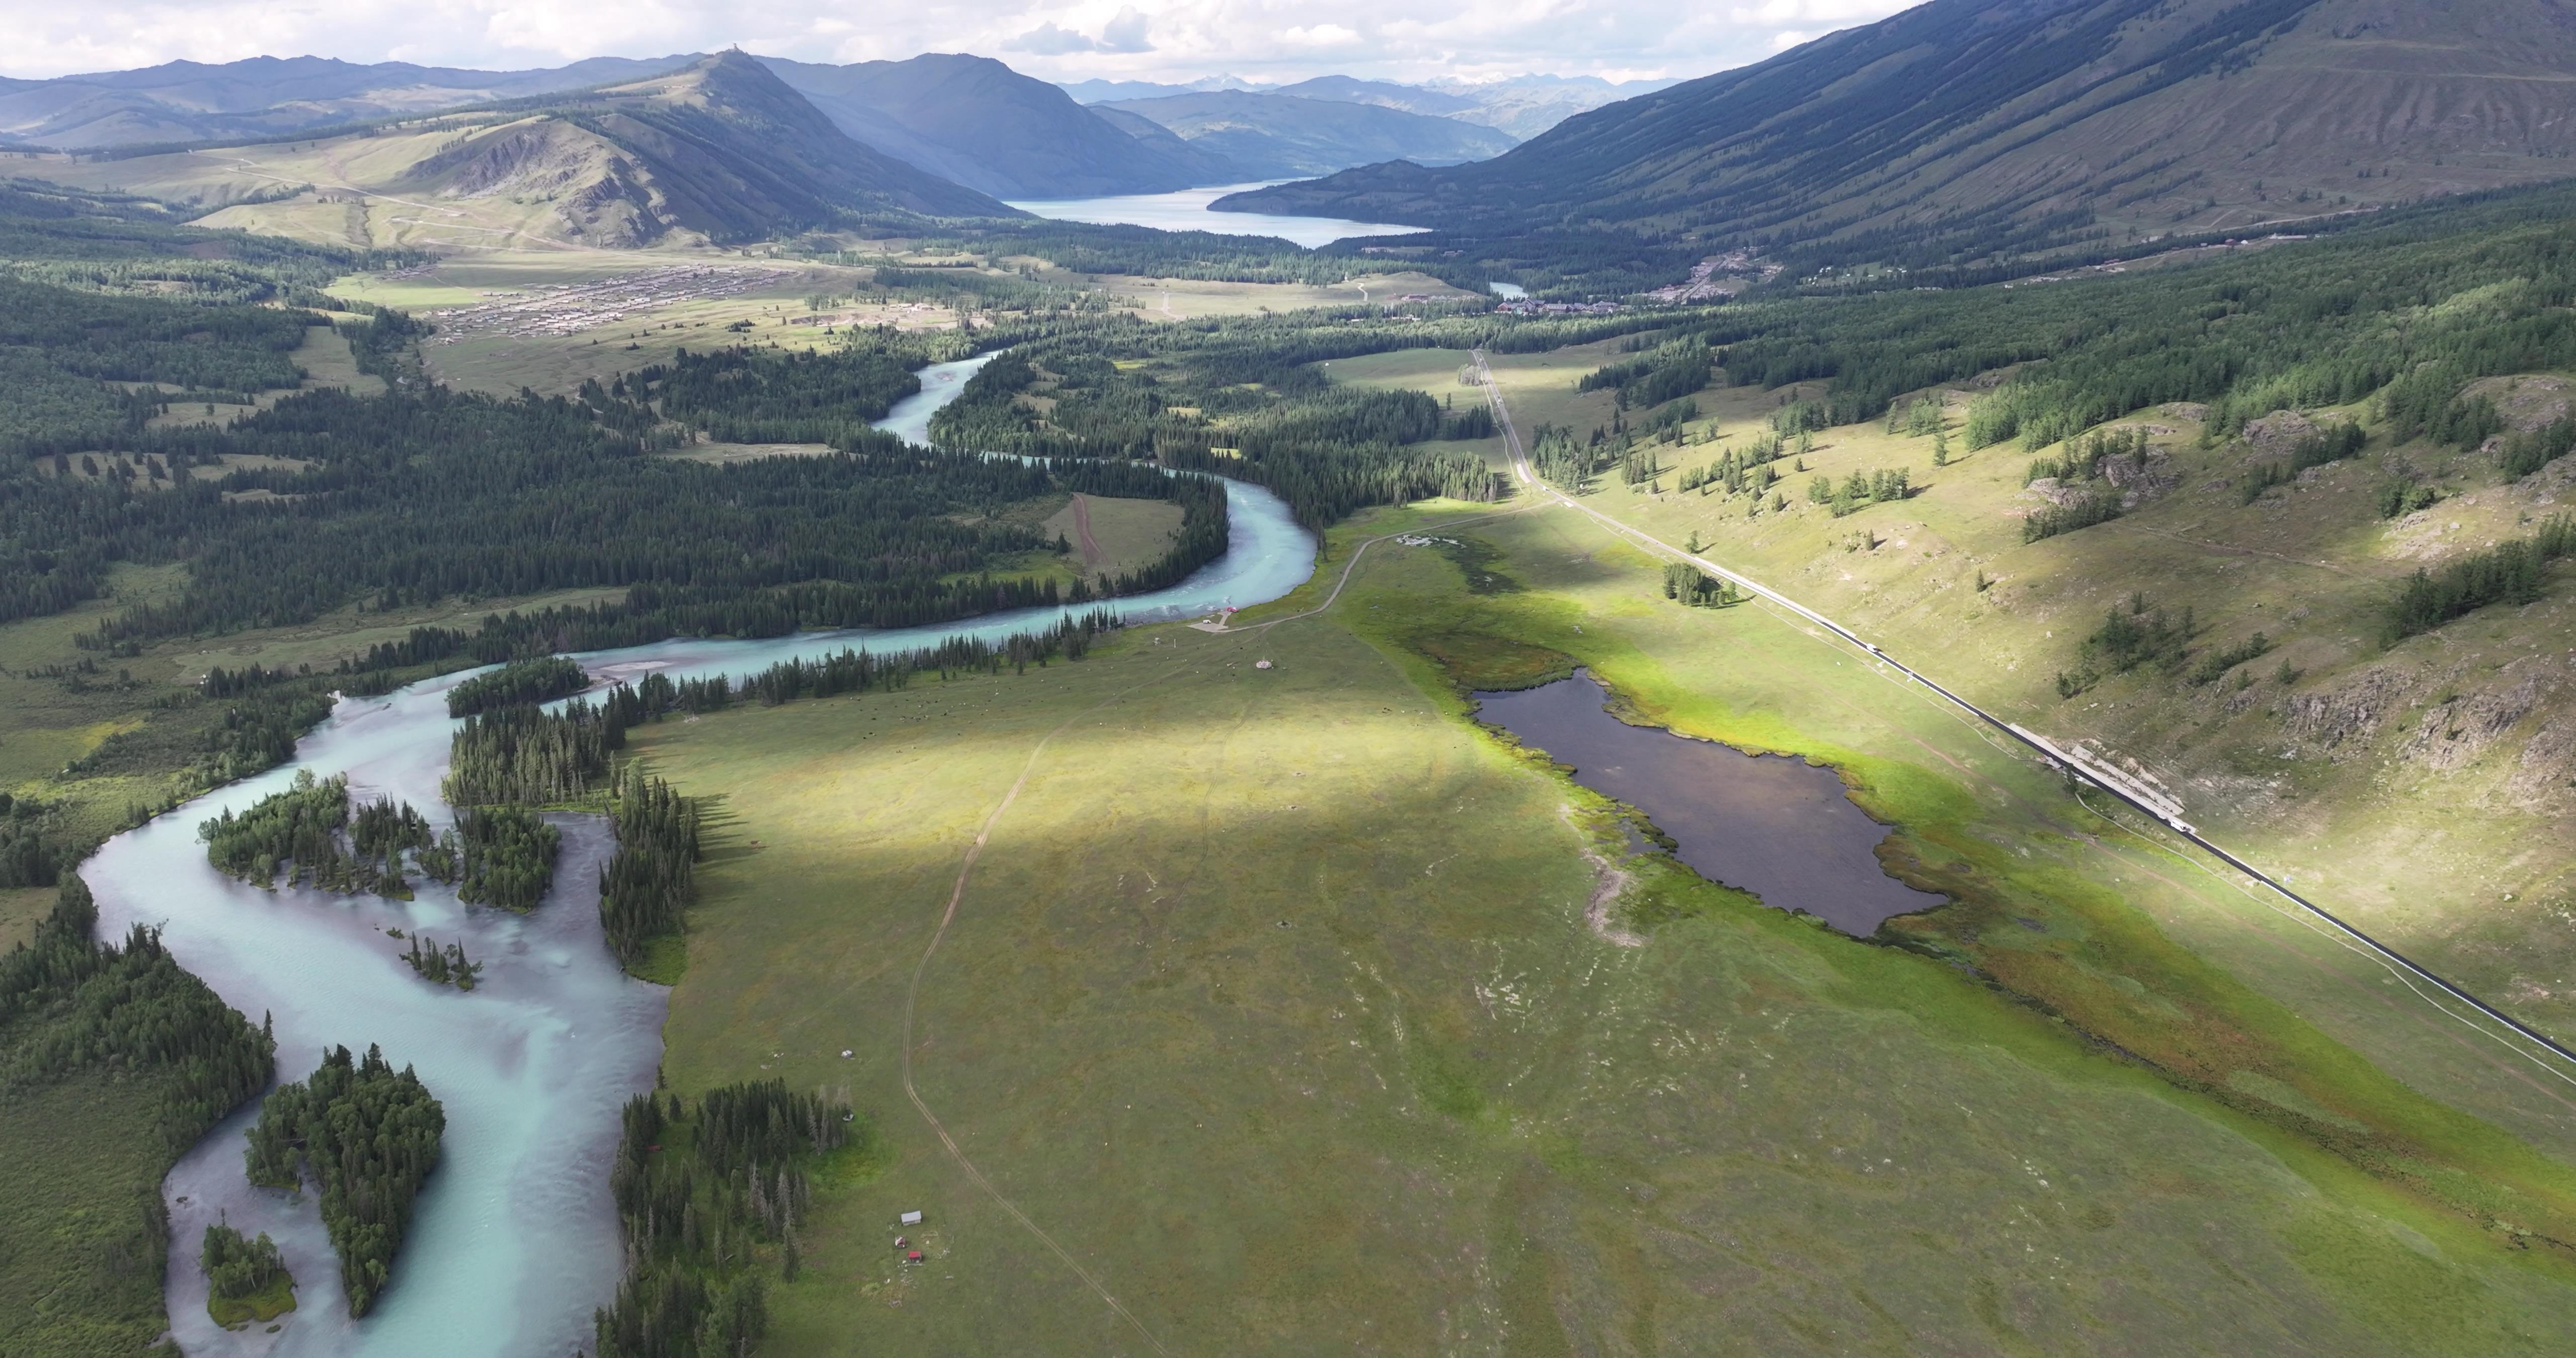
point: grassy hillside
(2416, 776)
(717, 151)
(1968, 131)
(1305, 1041)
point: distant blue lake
(1187, 210)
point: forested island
(535, 680)
(246, 1281)
(370, 1135)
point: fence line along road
(2135, 794)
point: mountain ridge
(974, 121)
(1275, 136)
(197, 101)
(1965, 129)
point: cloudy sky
(1118, 39)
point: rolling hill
(977, 122)
(719, 150)
(1968, 130)
(1272, 136)
(184, 101)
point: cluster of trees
(1696, 588)
(1559, 459)
(2132, 634)
(497, 855)
(1860, 489)
(2215, 665)
(539, 679)
(2509, 573)
(28, 856)
(370, 1134)
(69, 1004)
(2082, 458)
(2100, 506)
(245, 1279)
(2406, 310)
(751, 395)
(650, 882)
(531, 757)
(425, 495)
(710, 1197)
(61, 349)
(1667, 372)
(300, 831)
(443, 965)
(1741, 470)
(504, 857)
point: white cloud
(1126, 33)
(1047, 40)
(1057, 39)
(1320, 35)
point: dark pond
(1778, 827)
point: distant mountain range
(1967, 130)
(1523, 106)
(978, 122)
(188, 101)
(970, 120)
(1278, 136)
(720, 149)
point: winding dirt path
(1092, 556)
(912, 1000)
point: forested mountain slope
(1968, 129)
(979, 123)
(183, 101)
(1268, 136)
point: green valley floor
(1274, 1016)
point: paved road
(2117, 784)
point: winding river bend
(516, 1240)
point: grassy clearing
(79, 1276)
(1111, 536)
(1274, 1000)
(20, 908)
(2460, 848)
(325, 358)
(262, 1306)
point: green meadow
(1273, 1002)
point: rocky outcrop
(2452, 735)
(2348, 715)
